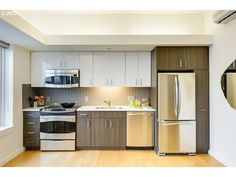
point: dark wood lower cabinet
(101, 130)
(202, 128)
(31, 127)
(83, 130)
(116, 132)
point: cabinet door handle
(110, 122)
(105, 123)
(141, 82)
(88, 123)
(202, 110)
(185, 64)
(180, 63)
(30, 133)
(30, 142)
(31, 123)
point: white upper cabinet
(97, 69)
(131, 69)
(71, 60)
(63, 60)
(138, 69)
(38, 67)
(86, 69)
(109, 69)
(145, 69)
(55, 60)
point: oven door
(57, 127)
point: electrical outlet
(130, 98)
(86, 98)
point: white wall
(222, 116)
(12, 143)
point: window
(1, 86)
(6, 118)
(2, 97)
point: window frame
(2, 87)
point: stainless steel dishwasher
(140, 129)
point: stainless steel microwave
(57, 78)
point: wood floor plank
(110, 158)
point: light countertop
(33, 109)
(115, 108)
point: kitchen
(143, 101)
(126, 69)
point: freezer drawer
(140, 129)
(177, 137)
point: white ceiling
(115, 22)
(103, 30)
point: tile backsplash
(85, 96)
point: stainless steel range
(57, 128)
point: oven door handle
(57, 118)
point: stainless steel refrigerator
(176, 113)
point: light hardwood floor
(109, 158)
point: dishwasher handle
(139, 114)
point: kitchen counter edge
(124, 109)
(33, 109)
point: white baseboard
(220, 158)
(11, 156)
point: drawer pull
(31, 123)
(30, 133)
(30, 115)
(83, 114)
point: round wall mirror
(228, 84)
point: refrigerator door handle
(176, 97)
(179, 98)
(177, 123)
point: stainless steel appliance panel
(140, 129)
(177, 137)
(57, 118)
(56, 78)
(167, 96)
(57, 136)
(54, 145)
(176, 96)
(187, 96)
